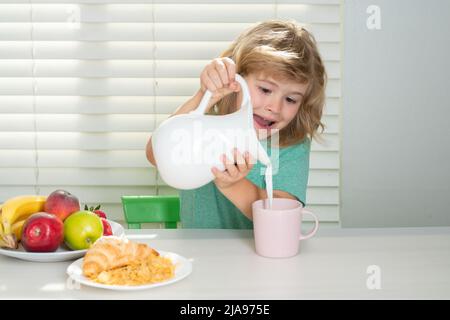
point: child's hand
(218, 77)
(235, 169)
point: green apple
(82, 229)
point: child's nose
(274, 106)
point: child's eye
(265, 90)
(290, 100)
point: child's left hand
(235, 169)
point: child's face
(275, 102)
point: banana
(17, 228)
(7, 241)
(1, 225)
(20, 208)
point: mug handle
(316, 225)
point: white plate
(183, 267)
(61, 254)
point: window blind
(83, 83)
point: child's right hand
(218, 76)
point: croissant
(112, 252)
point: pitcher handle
(245, 100)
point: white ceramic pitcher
(187, 146)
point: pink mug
(278, 230)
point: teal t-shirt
(207, 207)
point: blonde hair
(286, 51)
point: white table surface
(414, 263)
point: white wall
(396, 115)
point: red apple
(42, 232)
(62, 204)
(107, 230)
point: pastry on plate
(119, 261)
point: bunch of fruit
(42, 224)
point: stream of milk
(269, 185)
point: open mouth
(262, 123)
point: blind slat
(129, 50)
(92, 105)
(117, 68)
(121, 176)
(142, 31)
(116, 159)
(114, 86)
(166, 13)
(110, 104)
(102, 123)
(320, 2)
(112, 194)
(106, 141)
